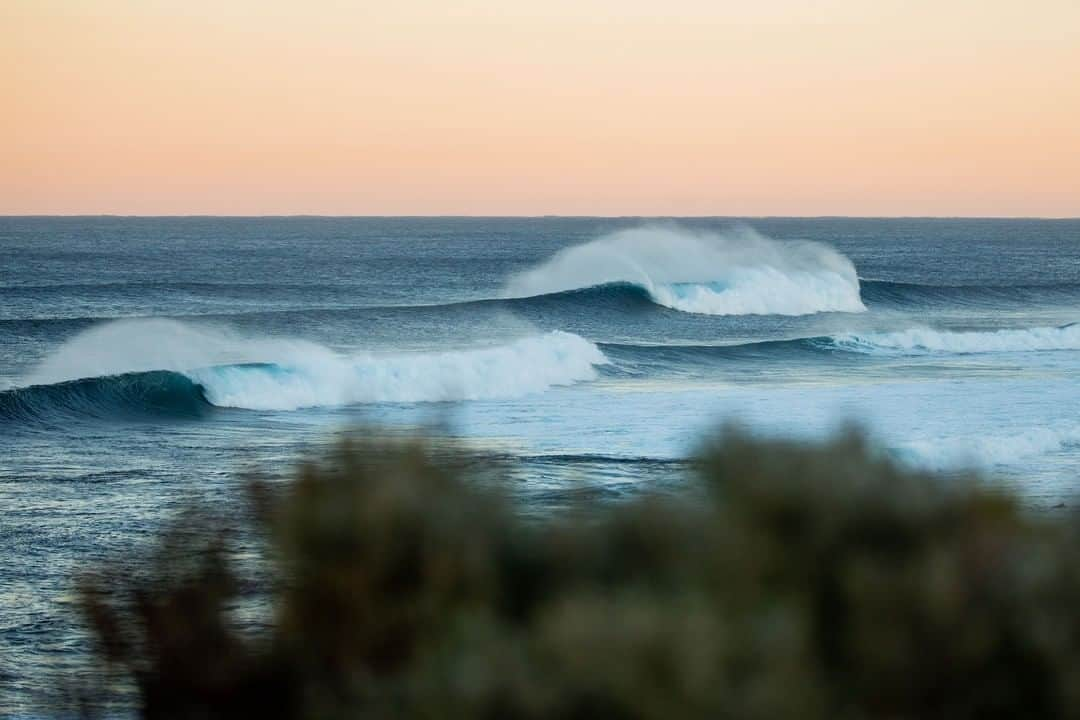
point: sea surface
(146, 362)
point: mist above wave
(145, 344)
(735, 272)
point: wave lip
(927, 341)
(738, 272)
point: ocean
(149, 362)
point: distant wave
(735, 273)
(615, 297)
(169, 367)
(926, 340)
(689, 359)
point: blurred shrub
(802, 582)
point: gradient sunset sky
(528, 107)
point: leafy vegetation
(795, 582)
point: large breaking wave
(172, 368)
(737, 272)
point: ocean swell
(737, 272)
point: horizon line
(466, 216)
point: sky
(532, 107)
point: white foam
(282, 374)
(925, 340)
(737, 272)
(988, 450)
(523, 367)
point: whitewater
(255, 373)
(736, 272)
(148, 361)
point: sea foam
(526, 366)
(987, 450)
(736, 272)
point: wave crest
(738, 272)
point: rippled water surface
(145, 362)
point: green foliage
(799, 582)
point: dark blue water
(146, 361)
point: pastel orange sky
(589, 107)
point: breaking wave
(167, 367)
(523, 367)
(738, 272)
